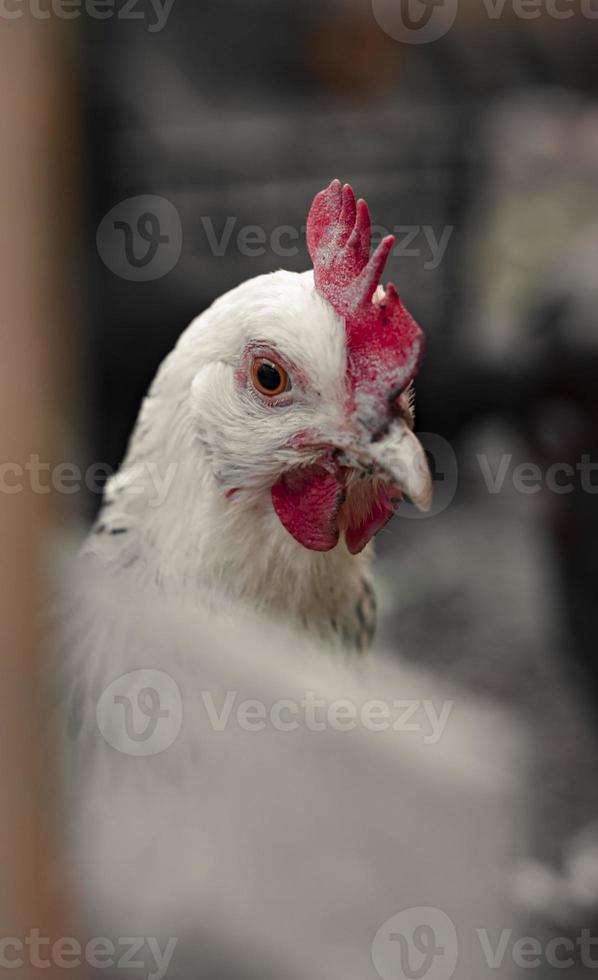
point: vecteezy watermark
(39, 476)
(422, 942)
(412, 241)
(422, 21)
(529, 478)
(155, 17)
(417, 943)
(154, 480)
(144, 954)
(318, 714)
(140, 713)
(532, 9)
(141, 238)
(415, 21)
(531, 952)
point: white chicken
(248, 804)
(282, 424)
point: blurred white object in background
(281, 823)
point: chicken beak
(401, 457)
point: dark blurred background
(481, 147)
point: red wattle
(358, 535)
(307, 502)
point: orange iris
(268, 377)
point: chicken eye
(269, 379)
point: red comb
(384, 343)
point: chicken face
(313, 408)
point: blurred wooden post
(34, 105)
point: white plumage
(198, 436)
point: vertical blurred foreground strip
(35, 114)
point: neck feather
(166, 525)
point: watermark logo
(149, 478)
(445, 474)
(422, 944)
(155, 15)
(529, 478)
(141, 238)
(317, 714)
(424, 242)
(422, 21)
(415, 21)
(533, 953)
(532, 9)
(153, 480)
(418, 943)
(140, 713)
(144, 955)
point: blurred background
(198, 133)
